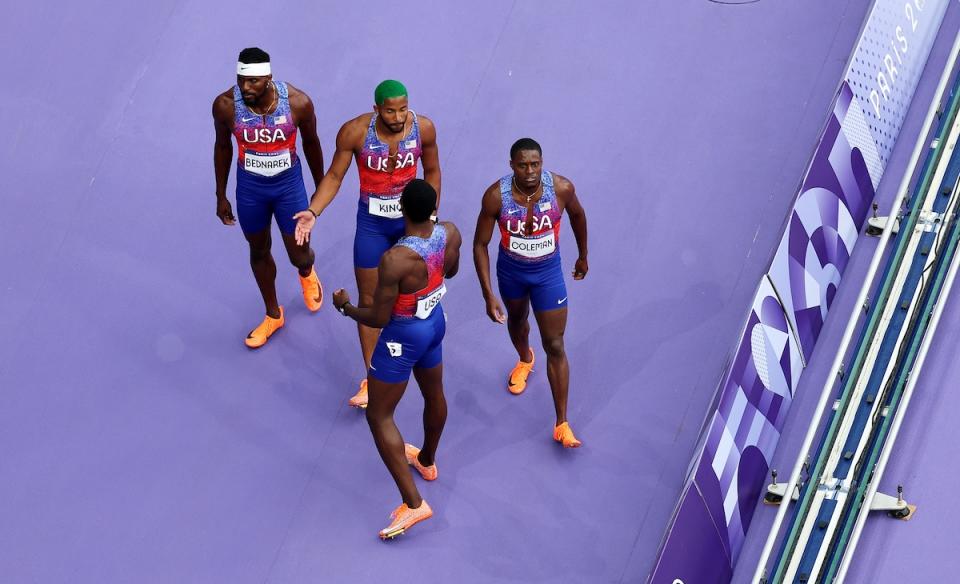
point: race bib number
(533, 247)
(426, 304)
(389, 208)
(267, 164)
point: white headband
(253, 69)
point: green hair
(387, 90)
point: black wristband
(315, 214)
(343, 308)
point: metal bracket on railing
(896, 507)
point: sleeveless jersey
(267, 144)
(383, 177)
(422, 302)
(543, 241)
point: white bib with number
(426, 304)
(267, 164)
(389, 208)
(533, 247)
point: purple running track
(142, 442)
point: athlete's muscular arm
(393, 265)
(489, 211)
(349, 141)
(451, 260)
(223, 153)
(306, 117)
(578, 222)
(430, 157)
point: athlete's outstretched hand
(495, 310)
(225, 211)
(580, 269)
(305, 222)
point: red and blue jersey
(267, 144)
(382, 177)
(420, 304)
(532, 241)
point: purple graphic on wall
(697, 553)
(731, 469)
(825, 222)
(741, 437)
(795, 295)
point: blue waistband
(508, 261)
(397, 320)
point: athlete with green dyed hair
(388, 144)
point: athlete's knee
(375, 417)
(518, 321)
(434, 401)
(553, 346)
(260, 252)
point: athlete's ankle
(423, 459)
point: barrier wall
(729, 470)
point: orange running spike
(403, 518)
(518, 377)
(258, 336)
(429, 473)
(564, 435)
(359, 400)
(312, 291)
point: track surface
(143, 442)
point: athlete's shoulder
(493, 189)
(450, 227)
(297, 96)
(561, 184)
(300, 104)
(492, 201)
(396, 261)
(428, 131)
(425, 122)
(223, 104)
(358, 124)
(353, 131)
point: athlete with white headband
(527, 205)
(264, 116)
(387, 144)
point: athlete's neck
(422, 230)
(265, 103)
(524, 193)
